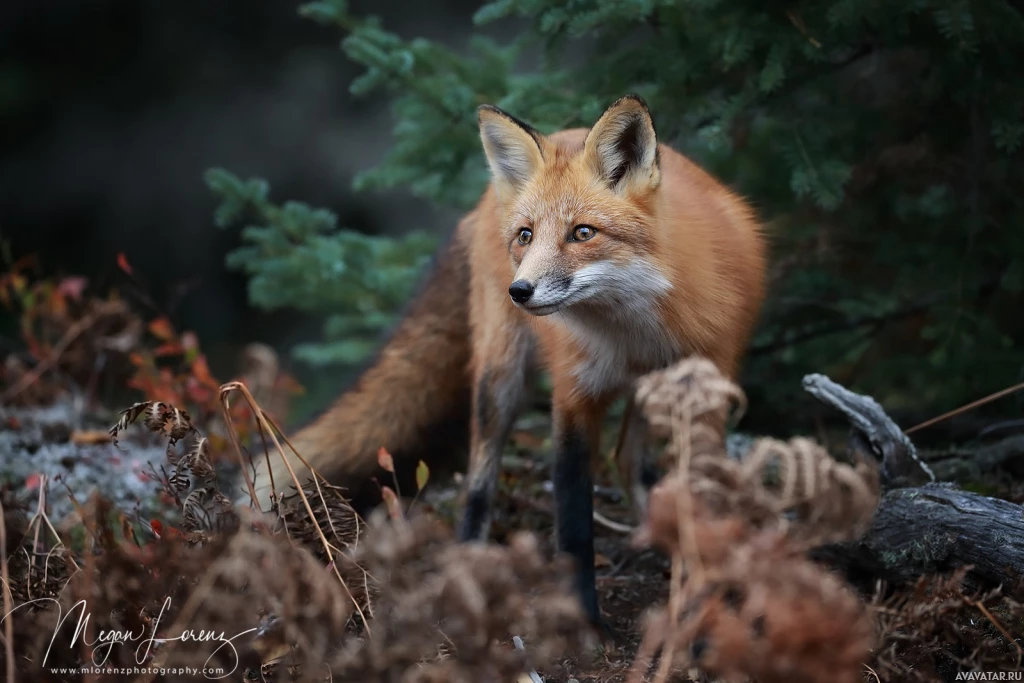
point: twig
(598, 517)
(518, 643)
(1001, 629)
(9, 619)
(70, 335)
(40, 514)
(963, 409)
(624, 472)
(614, 526)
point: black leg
(649, 475)
(574, 512)
(497, 394)
(476, 516)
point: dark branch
(873, 432)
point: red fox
(598, 254)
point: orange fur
(702, 236)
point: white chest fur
(617, 325)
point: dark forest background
(113, 110)
(881, 142)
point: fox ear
(513, 149)
(624, 147)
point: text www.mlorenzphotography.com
(138, 671)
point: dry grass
(292, 588)
(941, 626)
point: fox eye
(582, 233)
(525, 235)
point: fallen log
(934, 529)
(921, 526)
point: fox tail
(413, 399)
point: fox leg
(499, 384)
(577, 426)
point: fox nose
(520, 291)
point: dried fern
(745, 602)
(192, 479)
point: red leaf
(169, 349)
(288, 384)
(201, 371)
(55, 301)
(385, 461)
(197, 392)
(32, 481)
(122, 263)
(161, 329)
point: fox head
(578, 208)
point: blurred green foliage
(881, 142)
(296, 256)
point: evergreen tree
(880, 141)
(297, 257)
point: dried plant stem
(962, 409)
(532, 676)
(8, 608)
(90, 575)
(1006, 634)
(40, 515)
(613, 525)
(72, 333)
(687, 533)
(271, 427)
(688, 558)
